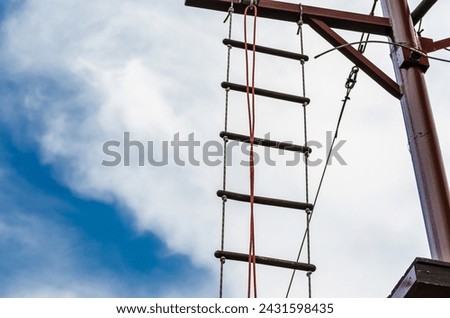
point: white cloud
(153, 70)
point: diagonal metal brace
(421, 10)
(429, 45)
(356, 57)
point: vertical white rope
(308, 212)
(229, 18)
(305, 133)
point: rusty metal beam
(441, 44)
(356, 57)
(421, 10)
(429, 45)
(423, 140)
(291, 12)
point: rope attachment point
(300, 20)
(250, 2)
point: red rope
(251, 123)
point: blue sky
(76, 74)
(50, 227)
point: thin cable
(304, 239)
(305, 133)
(384, 42)
(251, 122)
(419, 28)
(306, 236)
(305, 117)
(349, 85)
(365, 37)
(225, 143)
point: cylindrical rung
(267, 93)
(266, 142)
(266, 50)
(265, 201)
(266, 261)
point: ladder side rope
(349, 85)
(305, 133)
(308, 211)
(251, 120)
(225, 143)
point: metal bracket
(254, 2)
(410, 58)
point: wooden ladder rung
(266, 142)
(267, 93)
(266, 261)
(266, 50)
(265, 201)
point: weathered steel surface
(421, 132)
(424, 279)
(291, 12)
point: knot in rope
(230, 11)
(300, 21)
